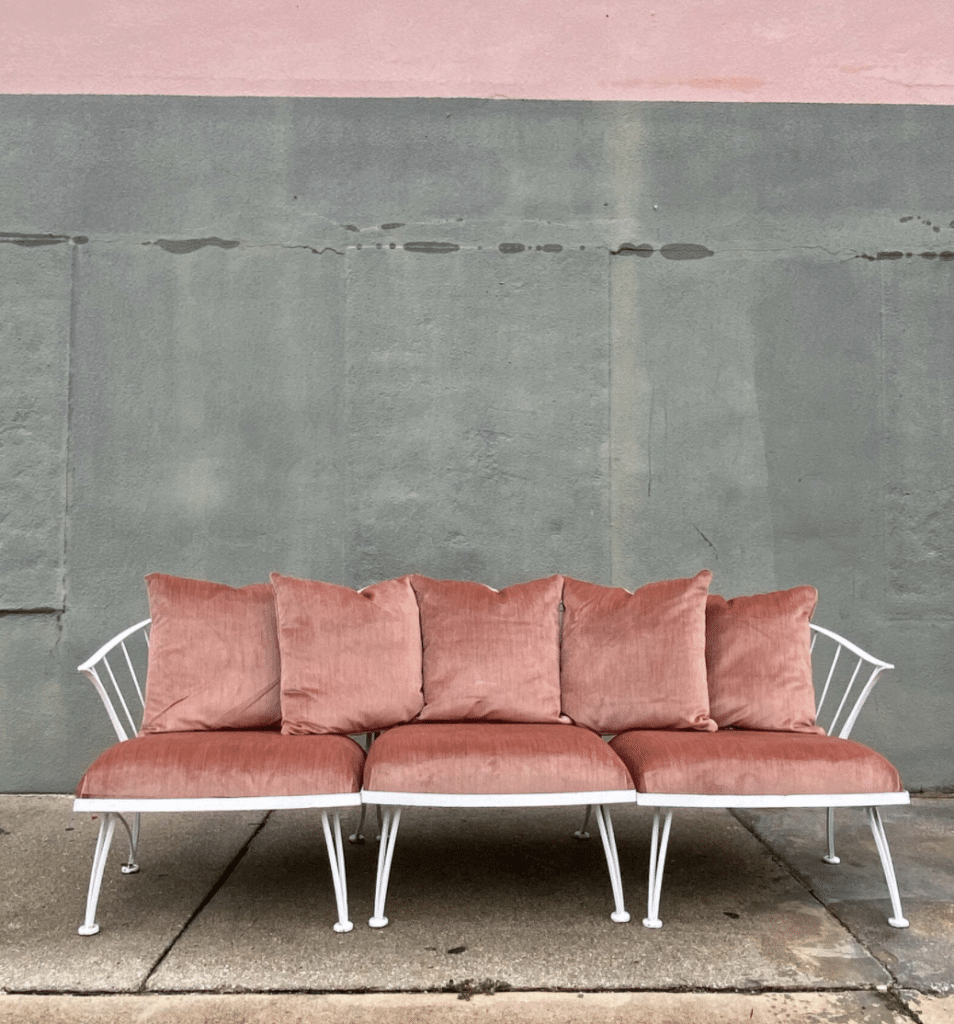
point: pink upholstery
(213, 656)
(636, 661)
(489, 757)
(192, 765)
(351, 661)
(739, 763)
(759, 661)
(489, 655)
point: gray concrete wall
(231, 345)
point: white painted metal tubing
(131, 867)
(830, 857)
(106, 829)
(357, 836)
(390, 821)
(605, 821)
(581, 832)
(336, 862)
(657, 862)
(898, 920)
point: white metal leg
(830, 857)
(898, 920)
(131, 867)
(378, 809)
(581, 832)
(106, 829)
(336, 860)
(657, 861)
(605, 822)
(357, 836)
(389, 828)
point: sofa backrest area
(312, 657)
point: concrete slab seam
(805, 883)
(206, 900)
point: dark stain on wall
(685, 251)
(30, 241)
(392, 227)
(894, 254)
(630, 249)
(510, 247)
(182, 246)
(432, 248)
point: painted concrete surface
(348, 338)
(230, 921)
(635, 50)
(46, 850)
(529, 1007)
(918, 957)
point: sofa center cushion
(490, 655)
(213, 656)
(636, 660)
(492, 757)
(197, 765)
(740, 763)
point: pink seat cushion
(735, 762)
(486, 758)
(490, 655)
(351, 660)
(758, 652)
(193, 765)
(213, 656)
(636, 660)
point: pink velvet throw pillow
(490, 655)
(759, 661)
(351, 660)
(213, 656)
(636, 660)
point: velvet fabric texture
(351, 660)
(492, 757)
(741, 763)
(490, 655)
(636, 660)
(758, 654)
(213, 656)
(193, 765)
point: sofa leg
(336, 860)
(106, 829)
(357, 836)
(581, 832)
(131, 867)
(898, 920)
(830, 857)
(389, 828)
(605, 822)
(657, 861)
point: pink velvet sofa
(554, 692)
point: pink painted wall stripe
(800, 51)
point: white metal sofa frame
(392, 804)
(111, 679)
(843, 720)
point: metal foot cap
(377, 922)
(130, 869)
(580, 834)
(831, 860)
(652, 922)
(88, 929)
(620, 916)
(899, 922)
(343, 926)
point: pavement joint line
(829, 909)
(207, 899)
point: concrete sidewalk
(230, 919)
